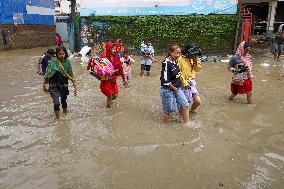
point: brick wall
(26, 36)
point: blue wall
(9, 7)
(88, 7)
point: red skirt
(241, 89)
(109, 87)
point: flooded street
(227, 145)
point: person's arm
(182, 76)
(72, 78)
(75, 86)
(44, 87)
(172, 87)
(121, 72)
(40, 62)
(152, 54)
(39, 66)
(89, 64)
(61, 42)
(197, 66)
(131, 60)
(184, 82)
(250, 75)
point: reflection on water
(227, 144)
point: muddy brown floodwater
(227, 144)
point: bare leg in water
(166, 117)
(249, 97)
(232, 96)
(196, 102)
(184, 111)
(110, 99)
(57, 115)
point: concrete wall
(26, 36)
(62, 30)
(64, 7)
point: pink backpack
(101, 68)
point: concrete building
(268, 15)
(62, 14)
(26, 24)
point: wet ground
(227, 145)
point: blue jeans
(277, 47)
(55, 93)
(171, 101)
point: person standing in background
(147, 51)
(58, 40)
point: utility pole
(240, 3)
(72, 26)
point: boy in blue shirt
(44, 60)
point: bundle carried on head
(191, 50)
(101, 68)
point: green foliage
(77, 31)
(213, 33)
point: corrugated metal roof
(15, 12)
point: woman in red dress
(110, 87)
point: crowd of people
(178, 92)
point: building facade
(62, 14)
(26, 24)
(268, 15)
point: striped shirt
(170, 73)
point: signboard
(156, 7)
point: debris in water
(225, 61)
(221, 184)
(264, 64)
(204, 58)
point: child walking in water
(189, 64)
(109, 87)
(127, 62)
(147, 51)
(171, 93)
(43, 62)
(277, 46)
(241, 66)
(58, 72)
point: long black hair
(61, 48)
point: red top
(119, 47)
(58, 41)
